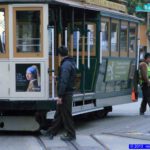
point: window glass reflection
(2, 31)
(123, 37)
(28, 31)
(104, 29)
(114, 37)
(132, 37)
(91, 29)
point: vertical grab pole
(77, 57)
(53, 66)
(138, 47)
(138, 53)
(71, 44)
(88, 47)
(66, 37)
(72, 31)
(100, 60)
(60, 28)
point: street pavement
(122, 127)
(94, 142)
(120, 140)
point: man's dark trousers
(63, 115)
(146, 98)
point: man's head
(63, 51)
(147, 57)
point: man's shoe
(67, 137)
(50, 136)
(141, 113)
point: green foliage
(141, 15)
(131, 5)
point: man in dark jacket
(63, 115)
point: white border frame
(27, 95)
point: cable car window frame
(28, 54)
(116, 52)
(6, 54)
(133, 54)
(124, 53)
(92, 39)
(80, 29)
(107, 20)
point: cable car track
(70, 145)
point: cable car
(100, 36)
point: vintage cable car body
(103, 42)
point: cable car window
(132, 40)
(105, 37)
(3, 31)
(114, 38)
(124, 39)
(89, 27)
(77, 34)
(92, 29)
(28, 37)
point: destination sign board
(144, 8)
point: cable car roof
(78, 4)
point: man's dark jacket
(67, 75)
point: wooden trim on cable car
(6, 54)
(107, 52)
(124, 53)
(115, 53)
(132, 54)
(28, 54)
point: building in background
(143, 11)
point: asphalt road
(123, 126)
(123, 118)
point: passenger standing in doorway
(66, 80)
(144, 72)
